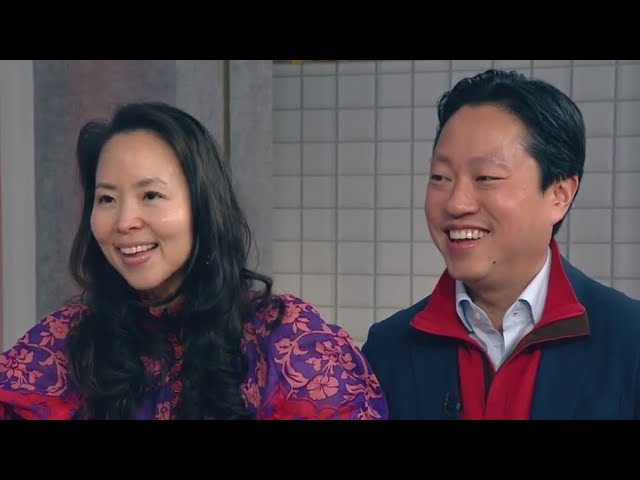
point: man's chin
(466, 274)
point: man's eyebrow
(488, 158)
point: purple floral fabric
(304, 368)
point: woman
(171, 324)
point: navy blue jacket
(595, 376)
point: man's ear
(563, 192)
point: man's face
(484, 205)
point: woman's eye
(104, 199)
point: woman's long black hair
(107, 346)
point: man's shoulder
(401, 320)
(607, 307)
(614, 310)
(592, 293)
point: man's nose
(462, 199)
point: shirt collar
(534, 295)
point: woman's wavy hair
(108, 346)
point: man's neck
(495, 299)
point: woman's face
(141, 214)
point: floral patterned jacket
(304, 368)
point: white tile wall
(351, 147)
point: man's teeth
(470, 234)
(137, 249)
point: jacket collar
(440, 317)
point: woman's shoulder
(34, 378)
(304, 367)
(54, 326)
(59, 322)
(69, 313)
(287, 314)
(44, 343)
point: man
(511, 330)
